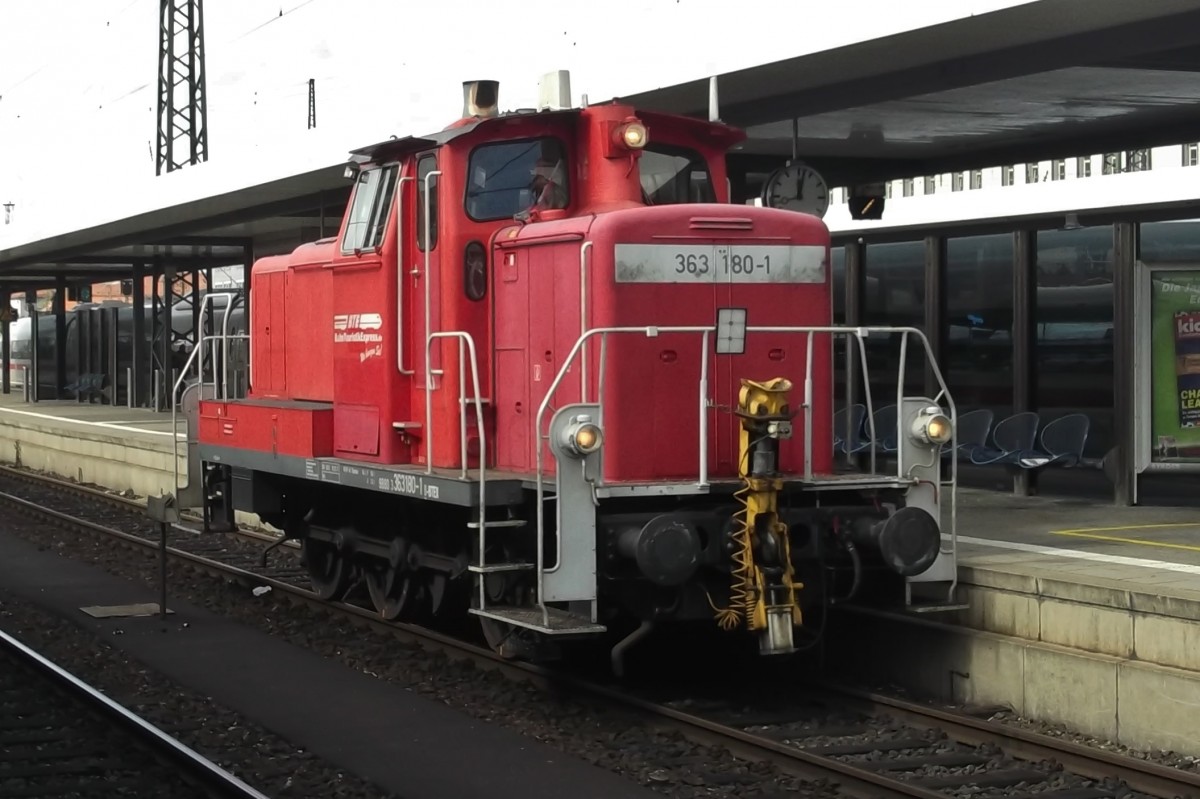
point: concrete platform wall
(1090, 616)
(117, 461)
(1113, 663)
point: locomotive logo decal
(350, 327)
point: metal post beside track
(163, 510)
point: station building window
(1128, 161)
(1073, 317)
(908, 187)
(1058, 169)
(977, 359)
(837, 270)
(1083, 166)
(1191, 154)
(1008, 175)
(930, 184)
(976, 178)
(895, 296)
(956, 181)
(1171, 252)
(1031, 173)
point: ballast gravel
(609, 738)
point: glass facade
(895, 296)
(1072, 355)
(1073, 351)
(837, 267)
(978, 357)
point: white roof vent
(554, 91)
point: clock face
(797, 187)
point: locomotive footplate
(442, 485)
(819, 482)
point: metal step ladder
(542, 618)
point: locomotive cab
(547, 373)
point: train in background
(182, 321)
(547, 375)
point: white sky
(78, 78)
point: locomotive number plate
(720, 263)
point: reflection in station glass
(977, 363)
(1074, 327)
(895, 296)
(837, 268)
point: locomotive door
(422, 287)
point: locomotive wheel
(328, 571)
(390, 590)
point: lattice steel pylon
(182, 98)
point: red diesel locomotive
(548, 374)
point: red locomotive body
(546, 360)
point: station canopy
(1041, 80)
(1038, 81)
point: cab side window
(672, 175)
(369, 212)
(425, 165)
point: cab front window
(508, 178)
(671, 175)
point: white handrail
(197, 352)
(583, 308)
(465, 339)
(400, 337)
(859, 333)
(429, 370)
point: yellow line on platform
(1195, 524)
(1139, 541)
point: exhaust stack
(481, 98)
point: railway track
(868, 745)
(61, 737)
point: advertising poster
(1175, 371)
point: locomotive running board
(561, 622)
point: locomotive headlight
(931, 427)
(632, 134)
(582, 437)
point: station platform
(1076, 612)
(128, 450)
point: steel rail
(211, 776)
(1146, 777)
(856, 782)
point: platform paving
(407, 744)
